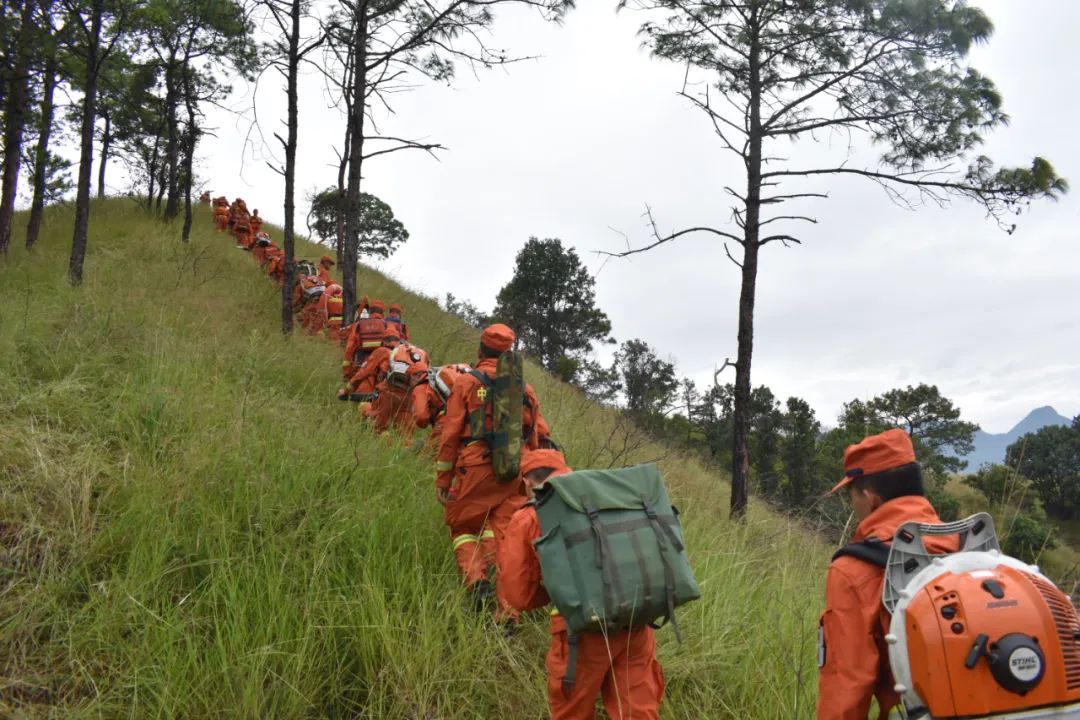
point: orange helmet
(333, 290)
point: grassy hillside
(192, 526)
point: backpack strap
(871, 550)
(478, 417)
(666, 540)
(609, 570)
(571, 664)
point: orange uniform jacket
(463, 400)
(852, 656)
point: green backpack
(503, 397)
(611, 551)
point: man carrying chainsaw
(885, 486)
(490, 416)
(621, 666)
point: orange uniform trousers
(221, 220)
(386, 408)
(620, 667)
(477, 515)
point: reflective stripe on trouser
(475, 553)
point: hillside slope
(192, 526)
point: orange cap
(498, 337)
(326, 260)
(376, 306)
(546, 458)
(395, 308)
(391, 331)
(875, 454)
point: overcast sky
(575, 144)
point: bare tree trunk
(190, 140)
(339, 244)
(740, 417)
(172, 145)
(162, 181)
(86, 155)
(106, 140)
(41, 153)
(356, 159)
(152, 173)
(15, 117)
(290, 168)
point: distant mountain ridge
(990, 448)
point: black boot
(482, 593)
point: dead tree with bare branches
(770, 72)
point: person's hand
(442, 495)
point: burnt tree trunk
(740, 457)
(172, 143)
(339, 243)
(41, 152)
(191, 138)
(15, 118)
(86, 154)
(152, 173)
(106, 141)
(290, 167)
(356, 159)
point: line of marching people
(318, 300)
(493, 451)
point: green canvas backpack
(611, 549)
(504, 397)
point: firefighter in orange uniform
(619, 667)
(477, 506)
(393, 315)
(262, 244)
(255, 223)
(221, 214)
(325, 263)
(333, 308)
(275, 264)
(407, 370)
(377, 364)
(325, 310)
(362, 337)
(240, 222)
(885, 486)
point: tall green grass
(192, 526)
